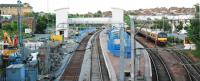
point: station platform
(113, 62)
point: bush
(173, 39)
(27, 35)
(196, 53)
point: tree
(82, 26)
(50, 19)
(180, 25)
(31, 14)
(194, 30)
(41, 24)
(44, 21)
(138, 23)
(127, 20)
(98, 14)
(12, 28)
(162, 24)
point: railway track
(161, 72)
(174, 67)
(193, 70)
(73, 70)
(98, 70)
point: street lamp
(122, 49)
(133, 50)
(19, 23)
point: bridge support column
(118, 22)
(62, 22)
(117, 17)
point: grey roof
(12, 5)
(8, 5)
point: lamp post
(133, 51)
(19, 23)
(122, 49)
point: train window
(163, 35)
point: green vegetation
(82, 26)
(162, 24)
(127, 20)
(98, 14)
(41, 24)
(180, 26)
(138, 23)
(11, 28)
(173, 39)
(26, 35)
(89, 14)
(194, 31)
(73, 15)
(44, 20)
(196, 53)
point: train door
(61, 32)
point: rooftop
(14, 5)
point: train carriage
(157, 36)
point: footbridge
(62, 20)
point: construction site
(102, 49)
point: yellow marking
(162, 39)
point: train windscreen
(162, 35)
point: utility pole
(19, 23)
(132, 50)
(135, 58)
(121, 67)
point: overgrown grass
(172, 41)
(196, 53)
(1, 71)
(169, 44)
(27, 36)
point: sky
(84, 6)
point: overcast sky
(84, 6)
